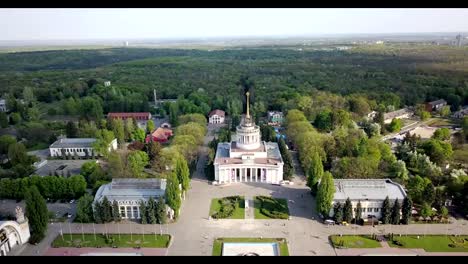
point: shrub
(228, 206)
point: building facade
(435, 106)
(370, 192)
(14, 233)
(248, 159)
(275, 118)
(216, 117)
(82, 147)
(130, 192)
(3, 107)
(141, 118)
(160, 135)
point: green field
(355, 241)
(273, 208)
(437, 121)
(218, 244)
(460, 155)
(239, 213)
(124, 241)
(434, 243)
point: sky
(132, 23)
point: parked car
(69, 215)
(329, 222)
(72, 201)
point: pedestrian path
(249, 208)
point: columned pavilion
(248, 159)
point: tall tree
(137, 160)
(116, 167)
(288, 168)
(395, 219)
(118, 129)
(84, 209)
(98, 212)
(173, 194)
(406, 210)
(150, 126)
(104, 138)
(71, 130)
(338, 212)
(128, 129)
(138, 134)
(429, 193)
(106, 210)
(386, 211)
(3, 120)
(326, 190)
(143, 212)
(37, 214)
(150, 211)
(153, 148)
(183, 173)
(315, 172)
(115, 211)
(161, 211)
(348, 211)
(358, 215)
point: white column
(255, 173)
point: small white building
(80, 146)
(370, 192)
(107, 83)
(130, 192)
(216, 117)
(275, 118)
(3, 107)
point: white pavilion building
(248, 159)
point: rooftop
(217, 112)
(397, 113)
(128, 114)
(73, 143)
(132, 189)
(273, 154)
(437, 102)
(367, 189)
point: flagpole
(94, 229)
(69, 228)
(61, 230)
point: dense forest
(413, 73)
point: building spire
(247, 115)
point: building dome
(248, 134)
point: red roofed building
(142, 116)
(160, 135)
(216, 117)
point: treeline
(278, 75)
(52, 187)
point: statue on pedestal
(19, 214)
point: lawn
(218, 244)
(239, 211)
(354, 242)
(437, 121)
(434, 243)
(460, 155)
(124, 241)
(270, 208)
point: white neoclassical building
(370, 192)
(248, 159)
(80, 146)
(13, 233)
(130, 192)
(216, 117)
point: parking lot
(7, 207)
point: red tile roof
(216, 112)
(145, 115)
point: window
(135, 212)
(129, 212)
(369, 209)
(376, 210)
(122, 211)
